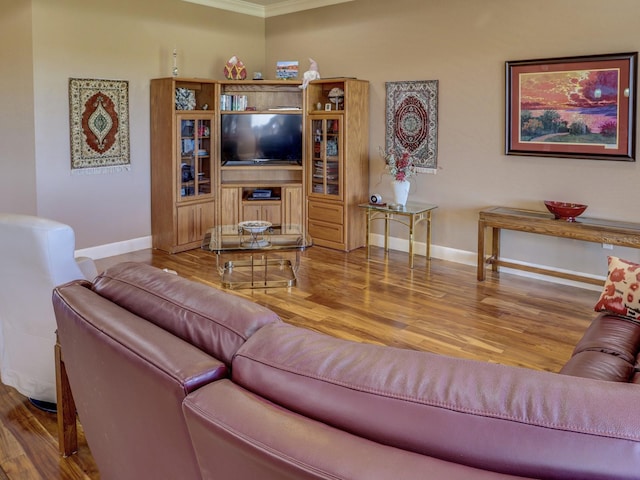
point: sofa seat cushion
(217, 322)
(494, 417)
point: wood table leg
(429, 235)
(411, 228)
(495, 249)
(368, 233)
(386, 232)
(67, 428)
(481, 234)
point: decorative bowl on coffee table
(564, 210)
(254, 226)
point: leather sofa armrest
(128, 378)
(599, 366)
(613, 335)
(607, 350)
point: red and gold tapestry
(99, 121)
(412, 121)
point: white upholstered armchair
(36, 254)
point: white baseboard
(470, 258)
(420, 248)
(112, 249)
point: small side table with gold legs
(410, 215)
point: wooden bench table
(625, 234)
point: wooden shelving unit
(183, 170)
(192, 190)
(286, 182)
(337, 161)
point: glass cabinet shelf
(326, 156)
(195, 169)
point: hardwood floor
(437, 306)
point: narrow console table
(624, 234)
(409, 215)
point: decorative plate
(254, 226)
(336, 92)
(336, 95)
(185, 99)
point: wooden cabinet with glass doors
(183, 173)
(325, 158)
(337, 161)
(195, 155)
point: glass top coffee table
(254, 254)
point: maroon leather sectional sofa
(174, 379)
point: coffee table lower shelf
(258, 271)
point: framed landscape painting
(580, 107)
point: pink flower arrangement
(401, 169)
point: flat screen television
(261, 139)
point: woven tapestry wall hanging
(412, 121)
(99, 120)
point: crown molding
(291, 6)
(279, 8)
(238, 6)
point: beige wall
(114, 39)
(464, 44)
(17, 153)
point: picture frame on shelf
(286, 70)
(185, 99)
(575, 107)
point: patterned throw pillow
(621, 294)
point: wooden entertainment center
(194, 187)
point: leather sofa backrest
(499, 418)
(240, 435)
(217, 322)
(129, 378)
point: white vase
(400, 191)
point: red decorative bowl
(565, 211)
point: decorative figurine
(174, 70)
(311, 74)
(234, 69)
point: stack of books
(236, 103)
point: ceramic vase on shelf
(400, 191)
